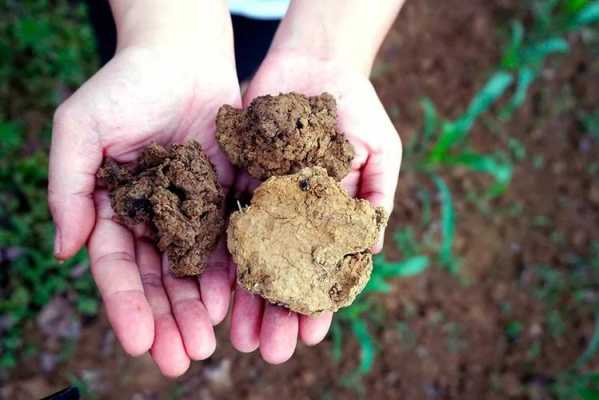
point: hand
(373, 176)
(164, 94)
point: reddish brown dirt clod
(175, 191)
(279, 135)
(304, 242)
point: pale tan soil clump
(304, 242)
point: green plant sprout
(45, 50)
(357, 316)
(443, 144)
(526, 52)
(553, 287)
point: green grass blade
(510, 57)
(383, 269)
(376, 284)
(535, 54)
(426, 206)
(588, 394)
(484, 99)
(543, 13)
(337, 337)
(586, 16)
(592, 347)
(501, 172)
(408, 267)
(367, 349)
(455, 131)
(526, 77)
(571, 7)
(446, 256)
(355, 310)
(431, 120)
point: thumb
(75, 156)
(378, 179)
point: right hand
(163, 94)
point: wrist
(348, 32)
(193, 27)
(327, 53)
(322, 47)
(319, 64)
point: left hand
(373, 176)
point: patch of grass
(444, 144)
(561, 290)
(576, 386)
(362, 312)
(46, 49)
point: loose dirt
(175, 191)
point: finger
(224, 170)
(379, 176)
(191, 315)
(216, 283)
(75, 155)
(113, 266)
(378, 183)
(351, 182)
(246, 318)
(167, 350)
(245, 183)
(313, 329)
(278, 334)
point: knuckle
(186, 305)
(217, 264)
(151, 280)
(112, 258)
(62, 115)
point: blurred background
(488, 287)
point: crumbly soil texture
(280, 135)
(174, 190)
(303, 243)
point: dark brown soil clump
(175, 191)
(279, 135)
(304, 242)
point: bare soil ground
(487, 335)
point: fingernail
(57, 243)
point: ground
(509, 324)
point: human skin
(173, 69)
(325, 46)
